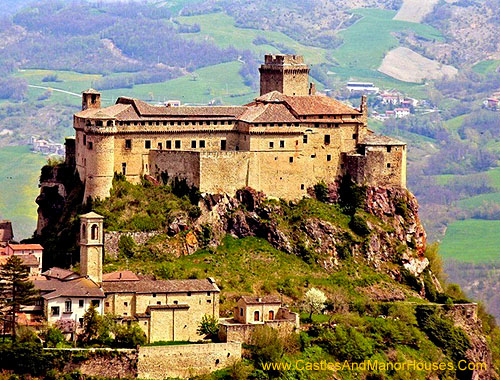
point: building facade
(283, 143)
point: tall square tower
(91, 246)
(285, 73)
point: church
(283, 143)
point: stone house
(250, 312)
(30, 254)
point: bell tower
(91, 246)
(91, 99)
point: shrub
(351, 195)
(129, 336)
(53, 337)
(209, 326)
(127, 246)
(347, 344)
(321, 192)
(359, 226)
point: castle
(284, 142)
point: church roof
(124, 275)
(160, 286)
(59, 273)
(79, 287)
(267, 113)
(373, 139)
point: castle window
(157, 123)
(328, 157)
(189, 294)
(109, 123)
(98, 123)
(128, 144)
(336, 125)
(154, 294)
(388, 149)
(388, 165)
(143, 123)
(124, 168)
(302, 187)
(313, 156)
(171, 123)
(176, 302)
(208, 294)
(168, 144)
(354, 136)
(316, 125)
(202, 143)
(282, 143)
(94, 232)
(158, 303)
(327, 139)
(193, 144)
(290, 159)
(271, 145)
(280, 124)
(90, 145)
(125, 304)
(304, 139)
(160, 146)
(223, 145)
(241, 312)
(177, 144)
(84, 139)
(147, 144)
(223, 123)
(209, 301)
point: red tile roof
(80, 287)
(22, 247)
(125, 275)
(268, 113)
(160, 286)
(59, 273)
(261, 300)
(28, 260)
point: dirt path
(56, 90)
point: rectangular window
(96, 303)
(354, 136)
(90, 145)
(290, 159)
(202, 143)
(189, 294)
(223, 145)
(282, 143)
(388, 165)
(67, 306)
(193, 144)
(304, 139)
(169, 144)
(125, 304)
(54, 311)
(154, 294)
(124, 168)
(160, 146)
(177, 144)
(241, 312)
(128, 144)
(208, 294)
(147, 144)
(328, 157)
(84, 139)
(327, 139)
(158, 303)
(302, 187)
(176, 302)
(271, 145)
(80, 321)
(106, 304)
(209, 301)
(388, 149)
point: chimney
(312, 89)
(91, 99)
(363, 108)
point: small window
(96, 303)
(302, 187)
(304, 139)
(189, 294)
(176, 302)
(80, 321)
(313, 156)
(169, 144)
(388, 149)
(241, 312)
(208, 294)
(354, 136)
(54, 311)
(160, 146)
(282, 143)
(328, 157)
(177, 144)
(106, 304)
(90, 145)
(80, 303)
(128, 144)
(209, 301)
(223, 145)
(147, 144)
(124, 168)
(193, 144)
(290, 159)
(202, 143)
(84, 139)
(154, 294)
(256, 316)
(271, 145)
(158, 303)
(98, 123)
(125, 304)
(271, 315)
(67, 306)
(327, 139)
(388, 165)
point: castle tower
(91, 99)
(285, 73)
(91, 246)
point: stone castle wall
(185, 360)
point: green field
(19, 188)
(220, 29)
(472, 240)
(485, 67)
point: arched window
(271, 315)
(94, 232)
(256, 316)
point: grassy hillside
(19, 170)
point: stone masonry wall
(185, 360)
(112, 239)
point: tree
(314, 301)
(209, 326)
(16, 289)
(129, 336)
(94, 327)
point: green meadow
(19, 170)
(487, 66)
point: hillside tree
(16, 289)
(314, 301)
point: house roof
(167, 307)
(124, 275)
(160, 286)
(59, 273)
(91, 215)
(373, 139)
(28, 260)
(79, 287)
(254, 300)
(23, 247)
(267, 113)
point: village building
(30, 254)
(283, 143)
(252, 311)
